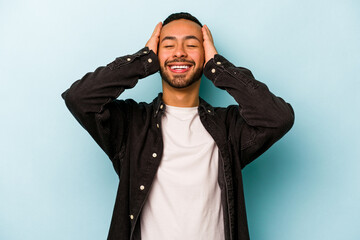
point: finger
(208, 33)
(157, 29)
(204, 31)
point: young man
(179, 159)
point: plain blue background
(56, 183)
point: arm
(264, 118)
(92, 98)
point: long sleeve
(263, 117)
(92, 99)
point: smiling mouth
(179, 68)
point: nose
(179, 51)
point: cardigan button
(213, 70)
(131, 217)
(128, 59)
(142, 187)
(154, 155)
(150, 60)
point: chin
(181, 84)
(180, 81)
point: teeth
(179, 67)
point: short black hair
(181, 15)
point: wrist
(210, 56)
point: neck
(181, 97)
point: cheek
(161, 59)
(163, 56)
(201, 54)
(199, 57)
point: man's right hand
(153, 42)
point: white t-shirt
(184, 201)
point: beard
(180, 80)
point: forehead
(181, 28)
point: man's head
(181, 15)
(181, 51)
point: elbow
(72, 100)
(68, 97)
(287, 120)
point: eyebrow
(174, 38)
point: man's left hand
(208, 44)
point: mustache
(179, 60)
